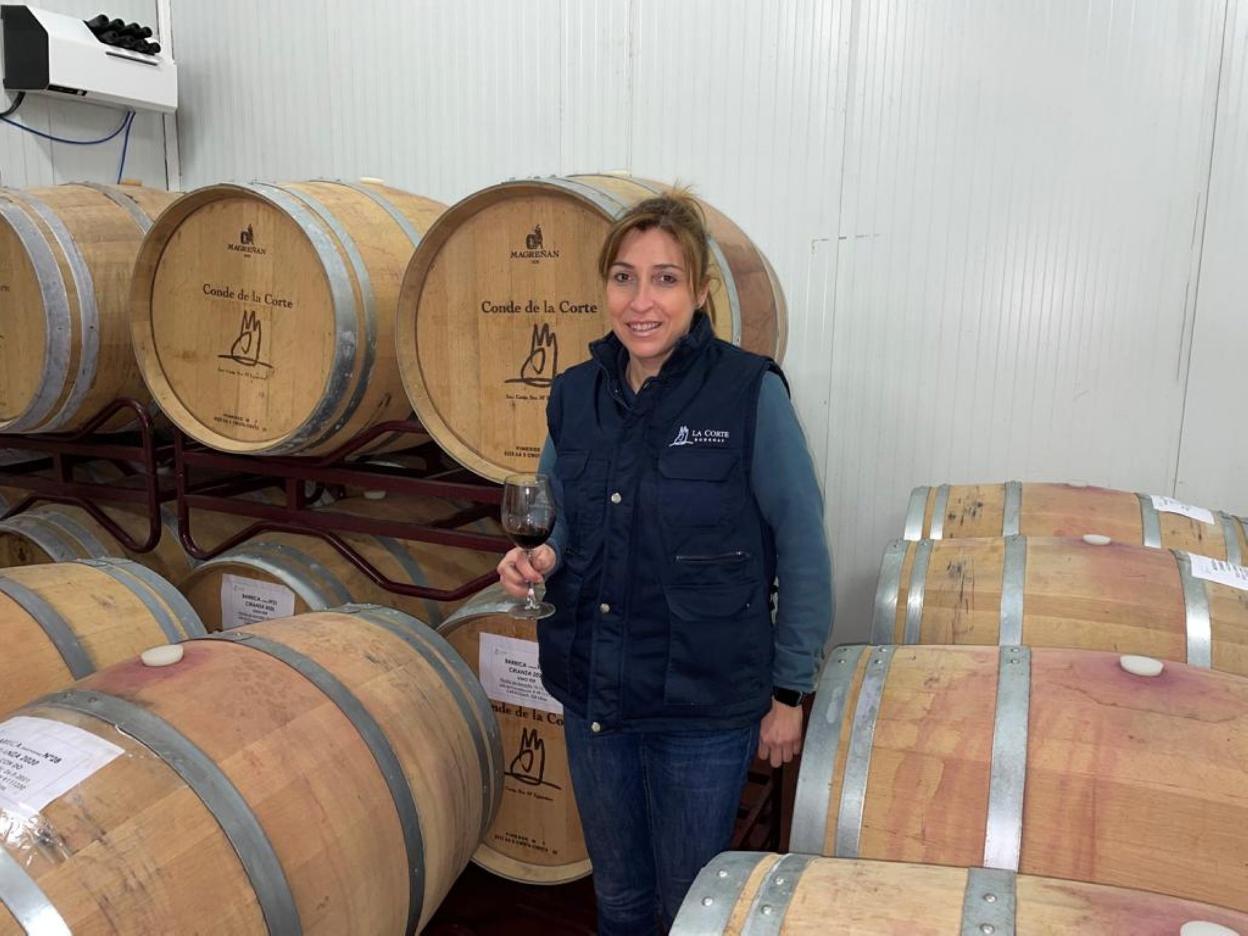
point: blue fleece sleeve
(546, 466)
(787, 491)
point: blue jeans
(655, 808)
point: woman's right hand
(516, 572)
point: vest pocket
(716, 644)
(584, 497)
(558, 633)
(695, 486)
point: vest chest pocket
(699, 488)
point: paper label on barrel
(1170, 505)
(40, 759)
(1223, 573)
(249, 601)
(510, 673)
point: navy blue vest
(662, 595)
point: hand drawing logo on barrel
(541, 365)
(246, 347)
(529, 764)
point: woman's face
(650, 296)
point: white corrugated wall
(26, 161)
(1008, 233)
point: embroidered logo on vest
(687, 436)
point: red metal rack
(296, 516)
(49, 476)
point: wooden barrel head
(262, 315)
(241, 312)
(230, 593)
(503, 294)
(536, 836)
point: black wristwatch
(791, 697)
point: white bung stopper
(1141, 665)
(166, 655)
(1205, 928)
(368, 179)
(374, 495)
(1096, 539)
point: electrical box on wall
(103, 61)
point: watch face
(788, 696)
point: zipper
(737, 555)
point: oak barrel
(751, 892)
(278, 574)
(536, 836)
(957, 511)
(66, 257)
(263, 314)
(1093, 594)
(504, 293)
(59, 532)
(63, 621)
(329, 773)
(1072, 764)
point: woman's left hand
(780, 735)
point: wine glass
(528, 517)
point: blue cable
(125, 122)
(125, 145)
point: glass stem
(530, 603)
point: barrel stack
(1040, 738)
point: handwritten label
(249, 601)
(1223, 573)
(40, 759)
(1170, 505)
(510, 673)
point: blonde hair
(677, 213)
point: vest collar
(612, 356)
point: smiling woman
(684, 491)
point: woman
(685, 490)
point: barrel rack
(335, 470)
(205, 479)
(48, 472)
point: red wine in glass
(528, 516)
